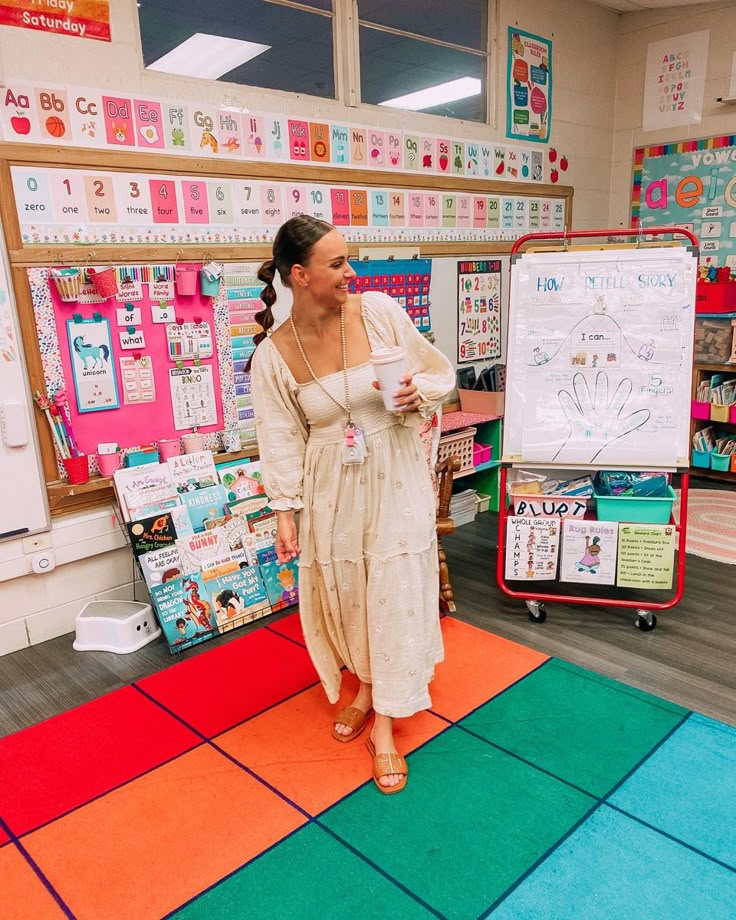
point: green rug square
(309, 875)
(581, 726)
(470, 822)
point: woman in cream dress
(368, 570)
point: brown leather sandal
(354, 718)
(385, 765)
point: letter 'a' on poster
(600, 358)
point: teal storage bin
(634, 509)
(720, 461)
(701, 459)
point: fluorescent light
(436, 95)
(208, 56)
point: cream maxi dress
(368, 570)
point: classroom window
(436, 47)
(289, 48)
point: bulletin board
(141, 413)
(600, 358)
(690, 184)
(74, 206)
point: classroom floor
(213, 789)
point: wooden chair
(445, 470)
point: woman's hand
(407, 398)
(287, 544)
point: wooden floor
(690, 658)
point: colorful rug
(711, 524)
(214, 790)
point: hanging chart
(600, 358)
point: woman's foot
(362, 702)
(382, 738)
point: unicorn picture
(97, 354)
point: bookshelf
(718, 419)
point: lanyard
(346, 406)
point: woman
(368, 571)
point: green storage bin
(720, 461)
(634, 509)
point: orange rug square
(147, 847)
(477, 666)
(291, 746)
(22, 894)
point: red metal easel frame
(680, 527)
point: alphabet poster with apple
(529, 86)
(691, 184)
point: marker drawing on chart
(595, 422)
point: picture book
(168, 503)
(230, 562)
(532, 548)
(184, 612)
(589, 550)
(161, 565)
(201, 549)
(282, 583)
(204, 504)
(237, 598)
(138, 486)
(256, 543)
(253, 504)
(193, 471)
(236, 528)
(264, 525)
(241, 479)
(151, 533)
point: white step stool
(115, 626)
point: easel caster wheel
(537, 612)
(645, 622)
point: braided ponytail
(292, 246)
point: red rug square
(220, 689)
(291, 627)
(57, 765)
(3, 837)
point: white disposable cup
(389, 366)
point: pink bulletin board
(130, 425)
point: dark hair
(292, 246)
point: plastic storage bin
(635, 509)
(715, 297)
(721, 461)
(719, 413)
(481, 453)
(701, 459)
(458, 444)
(115, 626)
(714, 342)
(700, 409)
(482, 502)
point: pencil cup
(186, 281)
(77, 469)
(208, 284)
(193, 443)
(389, 366)
(169, 447)
(105, 282)
(108, 463)
(67, 282)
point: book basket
(458, 444)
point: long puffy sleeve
(281, 429)
(389, 324)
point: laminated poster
(646, 556)
(532, 547)
(589, 551)
(529, 86)
(90, 348)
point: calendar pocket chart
(406, 280)
(67, 205)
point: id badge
(354, 450)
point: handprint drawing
(595, 422)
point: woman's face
(327, 274)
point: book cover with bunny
(589, 550)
